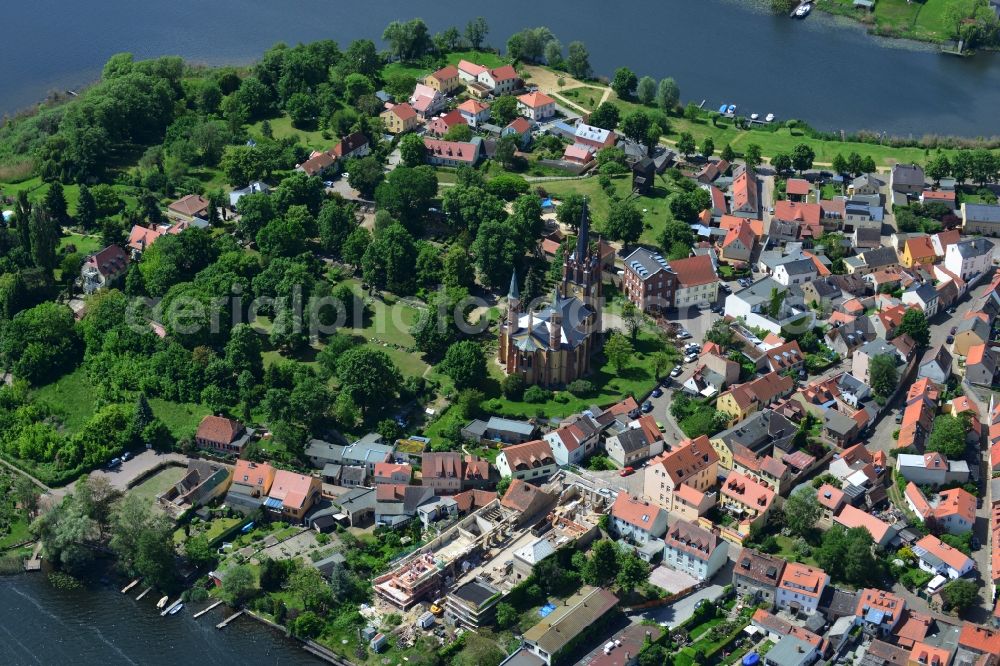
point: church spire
(513, 293)
(583, 239)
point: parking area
(125, 475)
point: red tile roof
(742, 232)
(455, 150)
(920, 248)
(797, 186)
(403, 111)
(803, 579)
(190, 205)
(445, 73)
(794, 211)
(954, 558)
(850, 517)
(830, 497)
(749, 493)
(979, 639)
(689, 458)
(694, 271)
(537, 453)
(218, 429)
(505, 73)
(472, 106)
(875, 599)
(634, 511)
(520, 125)
(535, 100)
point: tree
(605, 116)
(782, 162)
(242, 164)
(624, 222)
(721, 333)
(707, 147)
(570, 211)
(840, 164)
(802, 157)
(408, 41)
(947, 436)
(495, 253)
(412, 151)
(636, 125)
(960, 594)
(632, 318)
(86, 209)
(55, 204)
(476, 31)
(40, 344)
(44, 232)
(553, 53)
(961, 166)
(25, 494)
(686, 144)
(602, 565)
(646, 90)
(848, 555)
(390, 260)
(506, 151)
(884, 375)
(752, 155)
(668, 94)
(632, 571)
(239, 584)
(619, 351)
(578, 60)
(464, 363)
(728, 153)
(939, 167)
(335, 223)
(303, 109)
(624, 82)
(914, 323)
(199, 551)
(802, 510)
(984, 166)
(365, 175)
(507, 615)
(407, 193)
(504, 110)
(368, 375)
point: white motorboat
(803, 10)
(769, 118)
(176, 609)
(754, 116)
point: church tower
(582, 272)
(513, 304)
(555, 322)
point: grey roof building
(791, 651)
(322, 453)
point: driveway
(673, 614)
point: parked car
(657, 392)
(950, 339)
(954, 330)
(725, 287)
(647, 407)
(683, 334)
(690, 358)
(676, 371)
(115, 462)
(126, 456)
(660, 426)
(899, 416)
(717, 309)
(692, 348)
(627, 471)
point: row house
(694, 463)
(531, 460)
(748, 500)
(694, 550)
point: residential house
(711, 171)
(831, 499)
(367, 452)
(203, 481)
(453, 153)
(742, 400)
(579, 154)
(865, 237)
(757, 574)
(979, 640)
(743, 193)
(867, 183)
(747, 500)
(398, 504)
(935, 365)
(357, 505)
(801, 587)
(693, 463)
(319, 162)
(255, 187)
(786, 357)
(973, 330)
(694, 550)
(797, 189)
(632, 445)
(981, 365)
(400, 118)
(980, 219)
(561, 628)
(353, 145)
(531, 460)
(575, 440)
(444, 80)
(649, 280)
(502, 80)
(872, 260)
(392, 473)
(473, 604)
(848, 338)
(863, 355)
(528, 501)
(520, 128)
(953, 511)
(918, 251)
(426, 101)
(468, 72)
(936, 557)
(931, 469)
(969, 258)
(292, 495)
(924, 654)
(474, 112)
(103, 268)
(769, 305)
(946, 197)
(907, 179)
(537, 106)
(697, 283)
(190, 207)
(764, 469)
(879, 612)
(738, 244)
(250, 485)
(759, 432)
(221, 434)
(452, 472)
(440, 125)
(922, 295)
(637, 521)
(595, 137)
(821, 292)
(882, 532)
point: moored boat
(176, 609)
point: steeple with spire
(513, 302)
(583, 238)
(555, 322)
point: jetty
(130, 586)
(143, 593)
(170, 607)
(224, 623)
(202, 612)
(34, 563)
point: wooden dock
(202, 612)
(143, 593)
(224, 623)
(130, 586)
(168, 607)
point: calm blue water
(834, 76)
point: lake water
(822, 70)
(99, 626)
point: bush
(537, 395)
(512, 387)
(580, 387)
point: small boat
(754, 116)
(731, 109)
(162, 602)
(769, 118)
(176, 609)
(722, 109)
(803, 10)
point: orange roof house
(801, 587)
(918, 251)
(888, 606)
(292, 495)
(881, 531)
(979, 639)
(923, 654)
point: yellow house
(693, 464)
(400, 118)
(918, 251)
(445, 80)
(723, 451)
(743, 400)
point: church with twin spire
(552, 346)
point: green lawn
(586, 97)
(18, 533)
(282, 127)
(181, 418)
(479, 57)
(158, 483)
(787, 551)
(84, 244)
(72, 397)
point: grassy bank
(923, 22)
